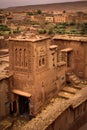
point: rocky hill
(68, 6)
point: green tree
(64, 11)
(30, 13)
(4, 28)
(39, 11)
(84, 28)
(42, 31)
(50, 31)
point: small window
(16, 56)
(62, 78)
(43, 61)
(20, 56)
(39, 62)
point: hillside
(69, 6)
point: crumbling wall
(4, 97)
(71, 119)
(3, 44)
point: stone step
(76, 81)
(78, 87)
(60, 96)
(65, 94)
(70, 90)
(73, 77)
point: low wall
(3, 44)
(4, 97)
(79, 122)
(67, 121)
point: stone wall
(3, 44)
(4, 97)
(78, 56)
(36, 71)
(71, 119)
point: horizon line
(42, 4)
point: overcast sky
(9, 3)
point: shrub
(17, 31)
(59, 31)
(50, 32)
(42, 31)
(84, 28)
(39, 11)
(30, 13)
(4, 28)
(72, 23)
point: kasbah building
(40, 68)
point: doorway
(23, 105)
(13, 107)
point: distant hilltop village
(43, 22)
(43, 70)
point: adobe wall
(4, 97)
(59, 19)
(48, 83)
(3, 44)
(71, 119)
(79, 122)
(22, 66)
(41, 80)
(49, 78)
(78, 54)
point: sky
(10, 3)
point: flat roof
(29, 39)
(72, 38)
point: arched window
(39, 62)
(20, 57)
(43, 61)
(24, 57)
(16, 56)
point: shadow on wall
(84, 127)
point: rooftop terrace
(29, 37)
(70, 37)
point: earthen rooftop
(31, 38)
(69, 37)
